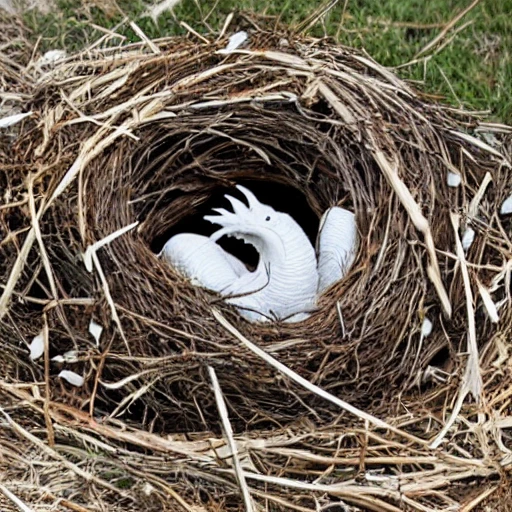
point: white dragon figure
(290, 274)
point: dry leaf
(71, 356)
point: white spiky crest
(252, 200)
(248, 223)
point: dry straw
(394, 395)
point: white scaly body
(336, 246)
(286, 282)
(203, 261)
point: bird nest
(390, 396)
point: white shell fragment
(467, 238)
(95, 330)
(71, 356)
(52, 56)
(5, 122)
(506, 207)
(235, 41)
(453, 179)
(72, 377)
(336, 246)
(148, 489)
(426, 327)
(37, 347)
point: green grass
(474, 70)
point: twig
(192, 31)
(228, 431)
(480, 144)
(47, 418)
(315, 16)
(475, 202)
(15, 499)
(452, 90)
(88, 477)
(472, 380)
(447, 28)
(227, 22)
(110, 300)
(16, 271)
(449, 40)
(476, 501)
(347, 491)
(91, 249)
(152, 46)
(420, 223)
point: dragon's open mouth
(248, 222)
(241, 248)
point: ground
(469, 66)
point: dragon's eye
(268, 218)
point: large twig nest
(155, 134)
